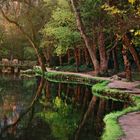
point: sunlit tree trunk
(128, 43)
(126, 64)
(91, 47)
(102, 50)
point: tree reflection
(56, 111)
(9, 125)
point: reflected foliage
(62, 118)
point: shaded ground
(130, 122)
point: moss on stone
(112, 130)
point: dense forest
(79, 35)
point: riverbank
(110, 89)
(130, 87)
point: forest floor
(130, 122)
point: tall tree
(125, 17)
(29, 17)
(61, 32)
(90, 46)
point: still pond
(61, 112)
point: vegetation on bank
(112, 130)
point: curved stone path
(130, 122)
(118, 84)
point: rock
(15, 61)
(29, 71)
(115, 77)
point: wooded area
(97, 35)
(69, 69)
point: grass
(73, 68)
(68, 78)
(113, 130)
(102, 90)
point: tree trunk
(86, 56)
(60, 60)
(115, 60)
(47, 56)
(79, 56)
(68, 56)
(129, 45)
(100, 114)
(38, 51)
(48, 93)
(59, 89)
(90, 47)
(76, 59)
(126, 64)
(102, 51)
(86, 116)
(95, 60)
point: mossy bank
(112, 130)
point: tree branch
(40, 58)
(80, 23)
(38, 93)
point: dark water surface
(62, 112)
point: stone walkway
(118, 84)
(130, 124)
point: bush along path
(120, 125)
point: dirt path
(130, 124)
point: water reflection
(15, 95)
(43, 110)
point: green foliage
(29, 53)
(65, 38)
(61, 30)
(112, 9)
(73, 68)
(62, 119)
(124, 15)
(132, 1)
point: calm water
(62, 111)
